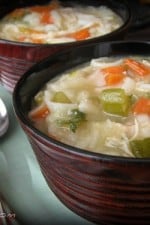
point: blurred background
(141, 19)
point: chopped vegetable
(114, 74)
(75, 119)
(119, 69)
(46, 18)
(142, 106)
(141, 148)
(60, 97)
(113, 79)
(137, 67)
(45, 10)
(115, 101)
(40, 112)
(80, 35)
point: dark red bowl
(104, 189)
(16, 58)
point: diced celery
(73, 73)
(60, 97)
(115, 101)
(140, 148)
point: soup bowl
(102, 188)
(17, 57)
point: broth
(102, 106)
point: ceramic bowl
(16, 57)
(104, 189)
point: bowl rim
(122, 28)
(68, 148)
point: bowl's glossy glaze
(16, 58)
(104, 189)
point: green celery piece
(140, 148)
(73, 73)
(60, 97)
(115, 101)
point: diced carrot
(142, 106)
(40, 112)
(114, 74)
(112, 79)
(46, 18)
(137, 67)
(114, 69)
(80, 35)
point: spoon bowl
(4, 120)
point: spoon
(4, 120)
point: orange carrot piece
(80, 35)
(142, 106)
(114, 74)
(40, 112)
(46, 18)
(137, 67)
(114, 69)
(112, 79)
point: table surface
(23, 188)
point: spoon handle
(2, 215)
(4, 120)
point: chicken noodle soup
(103, 106)
(55, 23)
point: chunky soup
(55, 23)
(102, 106)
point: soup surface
(55, 23)
(102, 106)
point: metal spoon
(4, 120)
